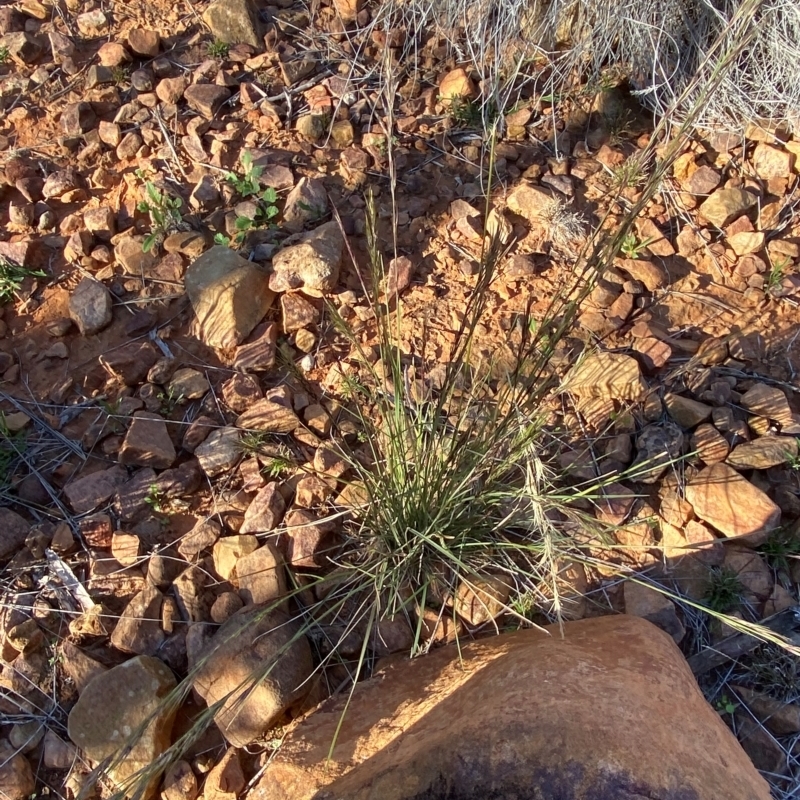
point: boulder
(606, 711)
(104, 719)
(229, 294)
(258, 665)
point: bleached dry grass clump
(659, 47)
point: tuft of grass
(725, 590)
(773, 670)
(467, 113)
(218, 49)
(781, 549)
(163, 210)
(5, 54)
(777, 272)
(155, 499)
(12, 276)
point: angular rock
(307, 202)
(104, 717)
(131, 362)
(531, 202)
(751, 570)
(90, 491)
(13, 532)
(229, 295)
(772, 162)
(23, 47)
(261, 576)
(781, 718)
(642, 601)
(77, 119)
(457, 84)
(770, 402)
(297, 312)
(220, 451)
(235, 22)
(651, 274)
(258, 355)
(188, 383)
(308, 538)
(139, 628)
(312, 265)
(269, 416)
(16, 775)
(265, 512)
(702, 181)
(412, 744)
(147, 443)
(144, 42)
(607, 376)
(709, 444)
(201, 537)
(746, 242)
(722, 497)
(726, 205)
(206, 98)
(763, 453)
(228, 550)
(686, 412)
(192, 595)
(90, 306)
(81, 668)
(254, 645)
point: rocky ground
(184, 222)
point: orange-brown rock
(608, 711)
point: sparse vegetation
(632, 247)
(725, 590)
(781, 549)
(218, 49)
(163, 210)
(5, 56)
(12, 277)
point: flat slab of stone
(720, 496)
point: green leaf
(269, 195)
(222, 239)
(142, 206)
(149, 241)
(271, 212)
(247, 159)
(243, 223)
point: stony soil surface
(170, 373)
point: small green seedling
(120, 74)
(155, 499)
(11, 277)
(725, 705)
(776, 274)
(248, 184)
(164, 213)
(170, 401)
(218, 49)
(5, 55)
(631, 247)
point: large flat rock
(609, 711)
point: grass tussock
(456, 515)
